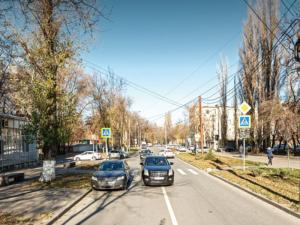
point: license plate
(158, 178)
(110, 183)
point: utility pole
(166, 134)
(128, 134)
(201, 123)
(235, 117)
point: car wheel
(77, 159)
(94, 189)
(93, 158)
(125, 184)
(144, 183)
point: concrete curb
(54, 219)
(275, 204)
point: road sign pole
(106, 146)
(244, 155)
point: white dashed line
(169, 206)
(193, 171)
(181, 171)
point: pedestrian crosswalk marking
(193, 171)
(181, 171)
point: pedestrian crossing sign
(106, 132)
(245, 121)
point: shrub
(210, 156)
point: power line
(198, 67)
(133, 85)
(255, 69)
(206, 61)
(263, 22)
(197, 88)
(289, 8)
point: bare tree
(223, 81)
(45, 35)
(168, 127)
(260, 66)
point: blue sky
(163, 44)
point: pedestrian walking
(270, 155)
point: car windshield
(111, 166)
(146, 152)
(156, 161)
(114, 152)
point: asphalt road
(195, 198)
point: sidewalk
(36, 205)
(35, 172)
(32, 204)
(278, 161)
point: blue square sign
(245, 122)
(105, 132)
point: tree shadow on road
(103, 204)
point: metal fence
(17, 151)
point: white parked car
(88, 155)
(167, 153)
(182, 149)
(114, 154)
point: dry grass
(12, 219)
(88, 165)
(266, 182)
(212, 161)
(75, 181)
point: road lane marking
(181, 171)
(193, 171)
(169, 206)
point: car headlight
(121, 178)
(146, 172)
(170, 173)
(94, 178)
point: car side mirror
(171, 163)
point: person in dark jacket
(270, 155)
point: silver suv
(114, 154)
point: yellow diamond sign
(245, 107)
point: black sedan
(112, 174)
(157, 171)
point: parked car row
(282, 149)
(91, 155)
